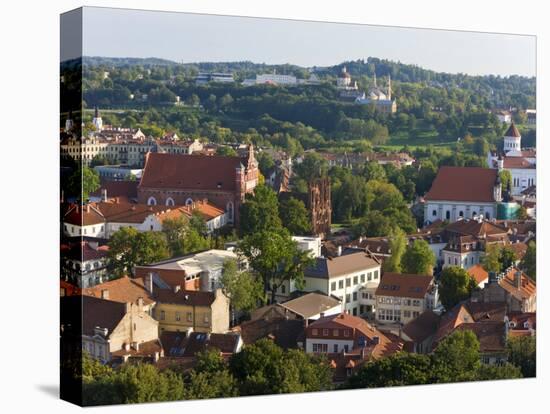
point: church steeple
(97, 121)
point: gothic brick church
(180, 179)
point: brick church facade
(181, 179)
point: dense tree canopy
(455, 285)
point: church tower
(512, 140)
(389, 87)
(69, 122)
(97, 121)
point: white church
(521, 162)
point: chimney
(87, 208)
(339, 251)
(148, 280)
(105, 294)
(135, 345)
(518, 279)
(103, 194)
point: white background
(29, 194)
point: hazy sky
(194, 38)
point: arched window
(487, 215)
(434, 213)
(152, 201)
(461, 213)
(474, 214)
(229, 210)
(189, 201)
(170, 201)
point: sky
(190, 38)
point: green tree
(294, 216)
(521, 213)
(260, 211)
(418, 259)
(264, 368)
(529, 262)
(522, 352)
(276, 258)
(313, 166)
(226, 151)
(402, 368)
(457, 358)
(488, 372)
(505, 179)
(244, 290)
(175, 230)
(507, 257)
(83, 182)
(128, 248)
(210, 377)
(491, 259)
(397, 245)
(455, 285)
(374, 171)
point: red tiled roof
(198, 172)
(528, 286)
(122, 188)
(478, 273)
(404, 285)
(87, 215)
(182, 297)
(121, 290)
(463, 184)
(422, 327)
(518, 162)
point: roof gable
(463, 184)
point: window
(333, 286)
(283, 289)
(363, 278)
(206, 318)
(152, 201)
(170, 201)
(162, 315)
(135, 327)
(340, 284)
(325, 332)
(416, 302)
(355, 280)
(354, 296)
(320, 348)
(434, 213)
(415, 314)
(354, 312)
(348, 282)
(461, 213)
(375, 274)
(348, 297)
(346, 348)
(448, 215)
(407, 314)
(335, 348)
(178, 316)
(369, 277)
(456, 261)
(335, 332)
(189, 317)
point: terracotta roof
(84, 252)
(518, 248)
(404, 285)
(311, 304)
(121, 290)
(512, 131)
(528, 286)
(475, 228)
(326, 268)
(518, 162)
(450, 320)
(122, 212)
(422, 327)
(146, 349)
(99, 313)
(121, 188)
(491, 335)
(478, 273)
(191, 298)
(198, 172)
(178, 344)
(86, 215)
(520, 318)
(463, 184)
(286, 333)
